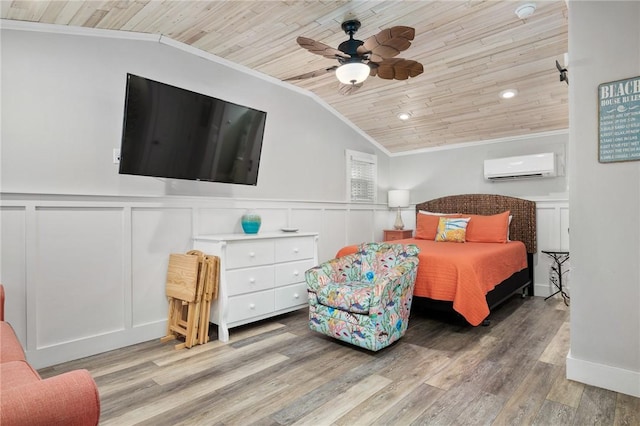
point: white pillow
(435, 214)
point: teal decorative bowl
(251, 223)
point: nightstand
(397, 234)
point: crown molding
(521, 138)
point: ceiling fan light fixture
(508, 93)
(353, 72)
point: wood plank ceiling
(471, 50)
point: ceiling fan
(360, 59)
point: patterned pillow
(427, 224)
(452, 229)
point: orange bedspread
(463, 272)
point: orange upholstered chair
(69, 399)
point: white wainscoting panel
(305, 219)
(564, 227)
(86, 274)
(312, 220)
(553, 233)
(13, 267)
(360, 225)
(77, 281)
(273, 219)
(155, 233)
(218, 220)
(227, 219)
(333, 233)
(381, 222)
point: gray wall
(63, 98)
(604, 45)
(458, 171)
(62, 111)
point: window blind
(361, 177)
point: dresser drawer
(291, 295)
(250, 305)
(241, 254)
(288, 249)
(292, 272)
(250, 279)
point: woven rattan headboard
(523, 224)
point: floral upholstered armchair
(364, 298)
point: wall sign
(619, 120)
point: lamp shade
(353, 72)
(398, 198)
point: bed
(472, 278)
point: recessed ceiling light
(403, 115)
(525, 10)
(508, 93)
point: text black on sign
(619, 131)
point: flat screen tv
(171, 132)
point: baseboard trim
(603, 376)
(68, 351)
(541, 289)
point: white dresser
(261, 275)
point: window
(362, 177)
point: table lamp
(398, 198)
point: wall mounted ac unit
(525, 166)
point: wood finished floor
(442, 372)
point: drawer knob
(296, 250)
(252, 280)
(296, 273)
(296, 296)
(252, 254)
(252, 306)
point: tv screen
(175, 133)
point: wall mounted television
(170, 132)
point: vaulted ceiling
(471, 50)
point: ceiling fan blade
(398, 69)
(388, 43)
(348, 89)
(312, 74)
(321, 49)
